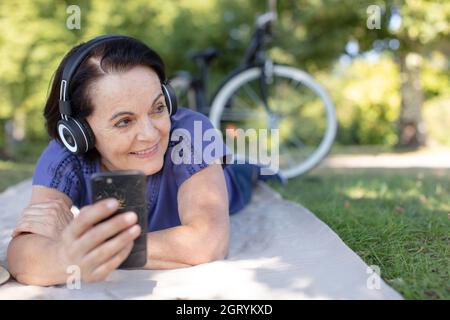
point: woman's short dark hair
(115, 55)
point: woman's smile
(146, 153)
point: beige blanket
(278, 250)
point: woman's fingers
(29, 225)
(92, 214)
(20, 228)
(106, 251)
(106, 230)
(48, 222)
(44, 218)
(101, 272)
(47, 205)
(56, 207)
(39, 225)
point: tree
(410, 29)
(425, 28)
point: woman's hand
(97, 247)
(48, 219)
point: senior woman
(118, 90)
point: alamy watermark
(374, 280)
(260, 147)
(73, 281)
(73, 21)
(374, 17)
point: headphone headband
(72, 65)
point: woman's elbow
(16, 265)
(220, 252)
(206, 257)
(211, 251)
(22, 262)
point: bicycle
(260, 94)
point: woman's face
(130, 121)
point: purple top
(59, 169)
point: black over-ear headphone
(75, 133)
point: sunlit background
(372, 74)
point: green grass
(25, 157)
(396, 219)
(13, 172)
(20, 165)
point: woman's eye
(123, 123)
(160, 108)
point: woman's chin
(148, 167)
(154, 169)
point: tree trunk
(411, 126)
(14, 135)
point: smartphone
(129, 188)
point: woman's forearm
(162, 264)
(183, 246)
(32, 259)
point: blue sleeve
(57, 168)
(194, 144)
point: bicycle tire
(241, 78)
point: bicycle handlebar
(259, 37)
(265, 19)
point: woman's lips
(146, 153)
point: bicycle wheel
(181, 83)
(299, 107)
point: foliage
(367, 98)
(309, 34)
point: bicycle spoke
(297, 85)
(280, 84)
(237, 115)
(241, 101)
(297, 141)
(252, 94)
(277, 106)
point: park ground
(392, 208)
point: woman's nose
(147, 131)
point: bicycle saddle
(206, 55)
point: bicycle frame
(256, 72)
(255, 56)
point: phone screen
(129, 188)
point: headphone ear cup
(76, 135)
(67, 135)
(171, 98)
(88, 132)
